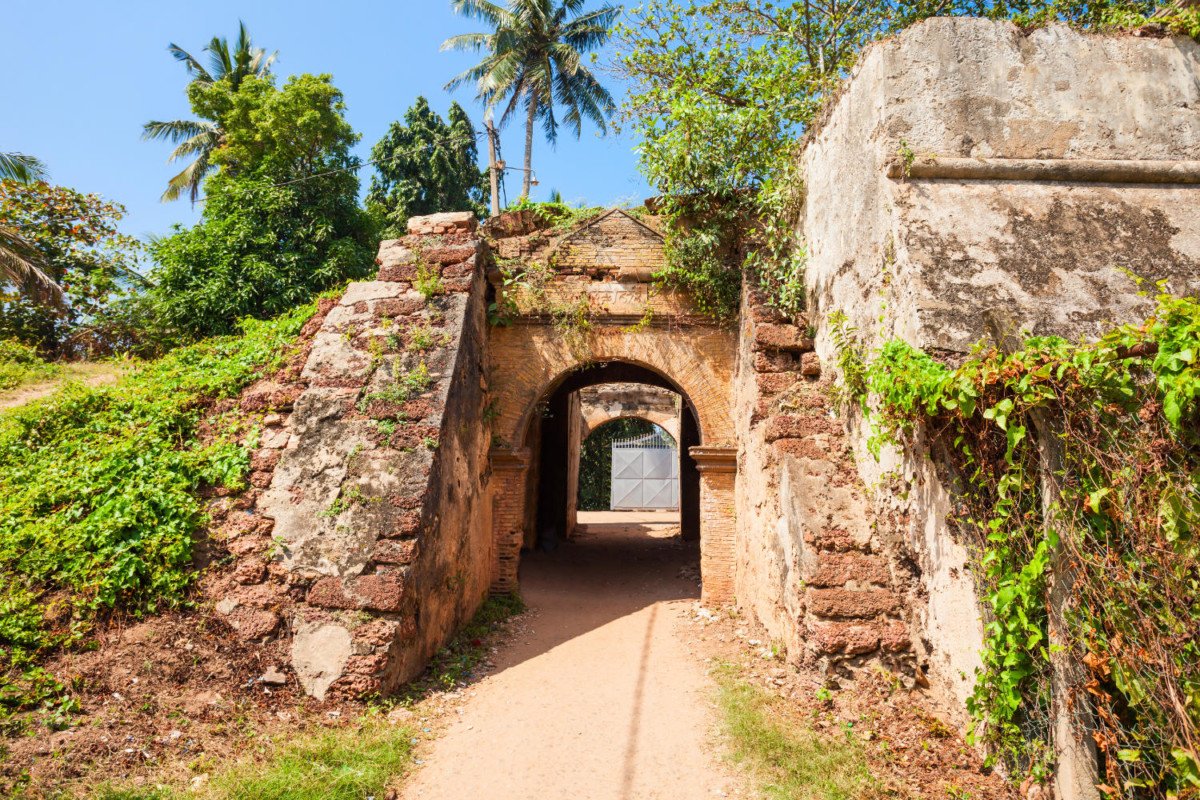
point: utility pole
(493, 167)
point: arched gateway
(586, 314)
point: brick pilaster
(718, 472)
(509, 470)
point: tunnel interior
(548, 436)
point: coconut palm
(20, 262)
(534, 59)
(198, 138)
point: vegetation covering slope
(99, 509)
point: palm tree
(199, 138)
(534, 58)
(20, 262)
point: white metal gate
(645, 473)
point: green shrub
(98, 503)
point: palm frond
(21, 168)
(466, 41)
(219, 61)
(23, 266)
(190, 62)
(176, 130)
(481, 10)
(188, 180)
(203, 143)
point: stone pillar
(509, 470)
(718, 472)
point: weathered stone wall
(969, 170)
(377, 498)
(810, 563)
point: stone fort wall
(968, 170)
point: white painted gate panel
(645, 474)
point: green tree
(722, 90)
(281, 219)
(199, 138)
(534, 59)
(425, 165)
(75, 238)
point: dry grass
(790, 759)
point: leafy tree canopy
(722, 90)
(424, 166)
(281, 220)
(74, 237)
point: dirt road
(600, 697)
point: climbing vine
(1121, 522)
(527, 289)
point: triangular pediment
(613, 240)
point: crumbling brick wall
(371, 480)
(811, 565)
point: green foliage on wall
(98, 503)
(721, 91)
(1124, 414)
(595, 460)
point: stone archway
(605, 402)
(634, 330)
(601, 404)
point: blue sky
(86, 75)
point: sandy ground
(87, 373)
(601, 695)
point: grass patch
(342, 764)
(347, 764)
(20, 364)
(98, 502)
(791, 759)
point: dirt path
(87, 373)
(600, 697)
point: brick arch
(619, 367)
(658, 418)
(531, 361)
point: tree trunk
(529, 146)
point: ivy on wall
(1121, 519)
